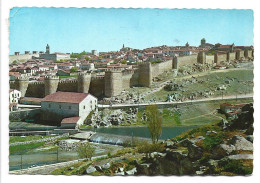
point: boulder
(241, 156)
(98, 168)
(241, 143)
(120, 173)
(90, 169)
(106, 166)
(250, 138)
(131, 172)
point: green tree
(154, 122)
(123, 62)
(85, 150)
(15, 62)
(74, 69)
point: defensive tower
(84, 79)
(21, 84)
(50, 84)
(113, 83)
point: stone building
(54, 56)
(70, 104)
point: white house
(70, 104)
(14, 96)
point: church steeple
(47, 49)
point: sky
(84, 29)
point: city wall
(187, 60)
(114, 82)
(210, 59)
(218, 58)
(22, 57)
(159, 68)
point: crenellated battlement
(97, 77)
(68, 81)
(85, 73)
(128, 72)
(36, 83)
(51, 77)
(22, 78)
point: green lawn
(24, 148)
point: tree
(123, 62)
(15, 62)
(74, 69)
(154, 122)
(85, 150)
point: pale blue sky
(78, 29)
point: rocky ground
(223, 148)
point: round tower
(84, 82)
(50, 84)
(113, 83)
(21, 84)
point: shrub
(237, 167)
(85, 150)
(147, 148)
(212, 141)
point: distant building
(56, 56)
(95, 52)
(70, 104)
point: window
(84, 107)
(49, 105)
(60, 106)
(69, 107)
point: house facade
(70, 104)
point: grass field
(241, 82)
(25, 147)
(197, 114)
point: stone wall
(134, 81)
(68, 85)
(232, 56)
(145, 74)
(23, 115)
(159, 68)
(209, 59)
(113, 83)
(126, 79)
(35, 89)
(187, 60)
(218, 58)
(22, 57)
(97, 86)
(240, 54)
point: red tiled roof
(70, 120)
(68, 97)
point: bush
(85, 150)
(212, 141)
(237, 167)
(147, 148)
